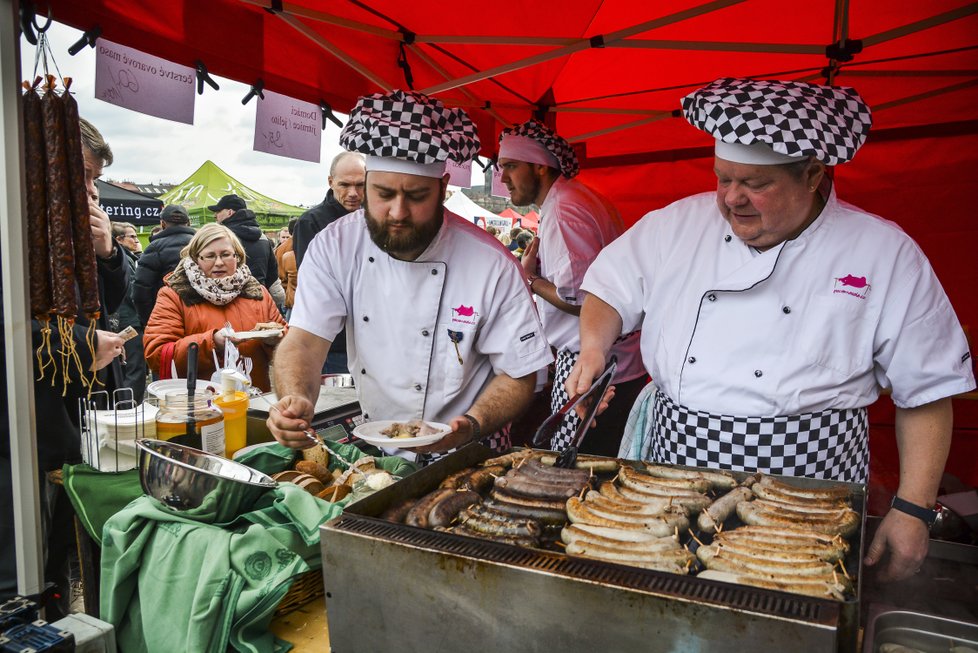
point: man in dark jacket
(161, 256)
(347, 176)
(233, 213)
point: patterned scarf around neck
(220, 291)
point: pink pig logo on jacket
(465, 314)
(850, 284)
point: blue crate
(18, 610)
(36, 637)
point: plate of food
(261, 330)
(400, 434)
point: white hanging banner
(141, 82)
(460, 174)
(288, 127)
(498, 187)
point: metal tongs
(591, 399)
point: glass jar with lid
(198, 423)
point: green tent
(209, 183)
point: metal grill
(774, 604)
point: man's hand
(529, 259)
(461, 434)
(905, 539)
(288, 420)
(110, 345)
(101, 229)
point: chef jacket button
(366, 319)
(691, 360)
(711, 297)
(758, 373)
(786, 309)
(434, 271)
(425, 333)
(366, 416)
(727, 238)
(371, 259)
(417, 386)
(363, 370)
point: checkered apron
(498, 442)
(831, 444)
(558, 397)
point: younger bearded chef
(772, 313)
(440, 324)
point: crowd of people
(726, 300)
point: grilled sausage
(771, 494)
(574, 533)
(656, 507)
(794, 534)
(594, 464)
(817, 588)
(482, 479)
(844, 525)
(714, 557)
(619, 534)
(398, 511)
(529, 488)
(461, 529)
(485, 520)
(717, 480)
(418, 514)
(673, 518)
(458, 479)
(736, 549)
(445, 510)
(672, 560)
(835, 492)
(692, 501)
(635, 479)
(537, 469)
(579, 512)
(508, 460)
(717, 512)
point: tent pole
(920, 25)
(721, 46)
(16, 314)
(582, 44)
(627, 125)
(317, 38)
(312, 14)
(923, 96)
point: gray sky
(149, 149)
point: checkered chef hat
(779, 121)
(534, 142)
(409, 132)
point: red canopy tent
(609, 74)
(531, 221)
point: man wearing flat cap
(233, 213)
(539, 167)
(160, 258)
(439, 323)
(773, 313)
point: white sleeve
(618, 274)
(579, 246)
(320, 305)
(920, 349)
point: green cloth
(171, 583)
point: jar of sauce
(198, 423)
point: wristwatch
(926, 515)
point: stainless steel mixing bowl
(337, 380)
(198, 485)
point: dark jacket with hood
(258, 249)
(158, 260)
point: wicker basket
(305, 588)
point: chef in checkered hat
(773, 313)
(539, 167)
(440, 325)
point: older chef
(772, 313)
(538, 167)
(440, 323)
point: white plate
(161, 387)
(370, 432)
(251, 335)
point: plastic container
(199, 424)
(235, 411)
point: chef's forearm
(298, 364)
(600, 325)
(548, 292)
(923, 437)
(503, 400)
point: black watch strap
(476, 427)
(926, 515)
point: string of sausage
(37, 218)
(86, 265)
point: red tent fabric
(609, 75)
(531, 221)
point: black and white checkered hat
(554, 144)
(412, 127)
(794, 119)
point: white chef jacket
(575, 224)
(818, 322)
(399, 315)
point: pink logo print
(852, 285)
(853, 282)
(464, 311)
